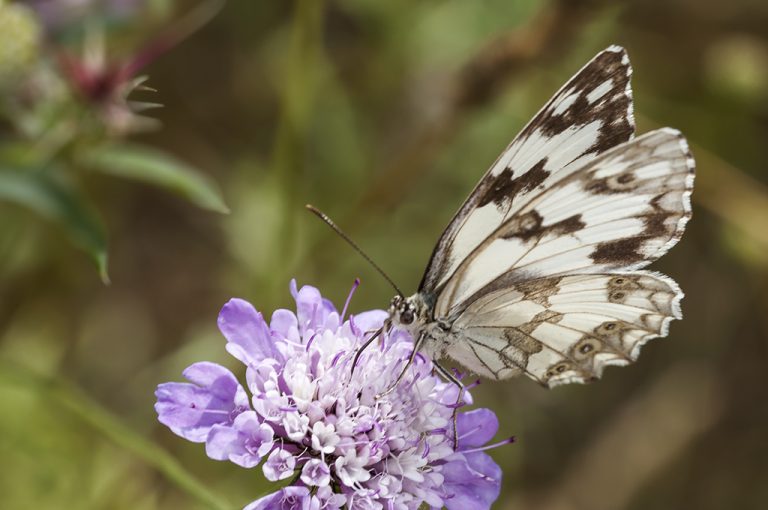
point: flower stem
(110, 426)
(300, 76)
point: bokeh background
(384, 114)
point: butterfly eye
(407, 316)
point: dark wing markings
(605, 65)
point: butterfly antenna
(328, 221)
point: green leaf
(51, 199)
(158, 168)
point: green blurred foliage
(384, 114)
(67, 113)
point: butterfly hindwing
(620, 211)
(588, 115)
(565, 329)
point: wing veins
(490, 370)
(539, 244)
(598, 205)
(608, 317)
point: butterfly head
(407, 313)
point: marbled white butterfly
(540, 271)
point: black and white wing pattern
(588, 115)
(565, 329)
(538, 272)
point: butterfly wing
(588, 115)
(565, 329)
(620, 211)
(538, 273)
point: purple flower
(191, 410)
(311, 419)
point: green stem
(300, 80)
(110, 426)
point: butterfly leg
(365, 346)
(416, 347)
(450, 377)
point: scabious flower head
(311, 419)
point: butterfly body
(540, 270)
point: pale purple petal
(285, 323)
(245, 442)
(312, 310)
(295, 425)
(247, 334)
(279, 466)
(363, 502)
(370, 321)
(328, 500)
(289, 498)
(190, 410)
(316, 472)
(476, 427)
(222, 441)
(472, 482)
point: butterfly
(540, 272)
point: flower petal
(370, 321)
(243, 443)
(285, 323)
(316, 472)
(247, 334)
(191, 410)
(219, 381)
(471, 483)
(223, 441)
(476, 427)
(288, 498)
(312, 310)
(279, 465)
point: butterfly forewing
(620, 211)
(565, 329)
(588, 115)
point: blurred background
(385, 114)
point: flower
(19, 42)
(104, 83)
(336, 433)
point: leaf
(158, 168)
(51, 199)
